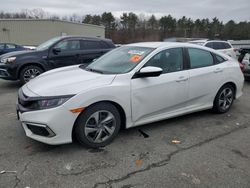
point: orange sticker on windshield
(135, 58)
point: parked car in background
(9, 47)
(132, 85)
(244, 59)
(55, 53)
(222, 46)
(30, 47)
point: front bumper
(52, 126)
(6, 72)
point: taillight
(242, 67)
(235, 50)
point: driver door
(154, 98)
(69, 53)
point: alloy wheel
(100, 126)
(30, 74)
(226, 98)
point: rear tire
(224, 99)
(30, 72)
(98, 125)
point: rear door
(206, 76)
(69, 53)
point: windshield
(47, 44)
(120, 60)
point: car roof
(165, 44)
(207, 40)
(158, 45)
(199, 41)
(83, 37)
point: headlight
(47, 103)
(8, 60)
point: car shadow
(140, 131)
(9, 85)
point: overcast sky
(238, 10)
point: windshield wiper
(94, 70)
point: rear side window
(106, 44)
(200, 58)
(90, 45)
(218, 45)
(219, 59)
(209, 45)
(227, 46)
(17, 46)
(103, 44)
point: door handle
(182, 79)
(218, 70)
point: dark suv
(56, 52)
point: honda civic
(130, 86)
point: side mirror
(149, 71)
(56, 50)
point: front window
(69, 45)
(170, 60)
(46, 45)
(120, 60)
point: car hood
(67, 81)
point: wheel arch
(29, 64)
(233, 85)
(119, 108)
(228, 83)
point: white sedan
(129, 86)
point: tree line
(131, 27)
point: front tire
(30, 72)
(98, 125)
(224, 99)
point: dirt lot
(214, 152)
